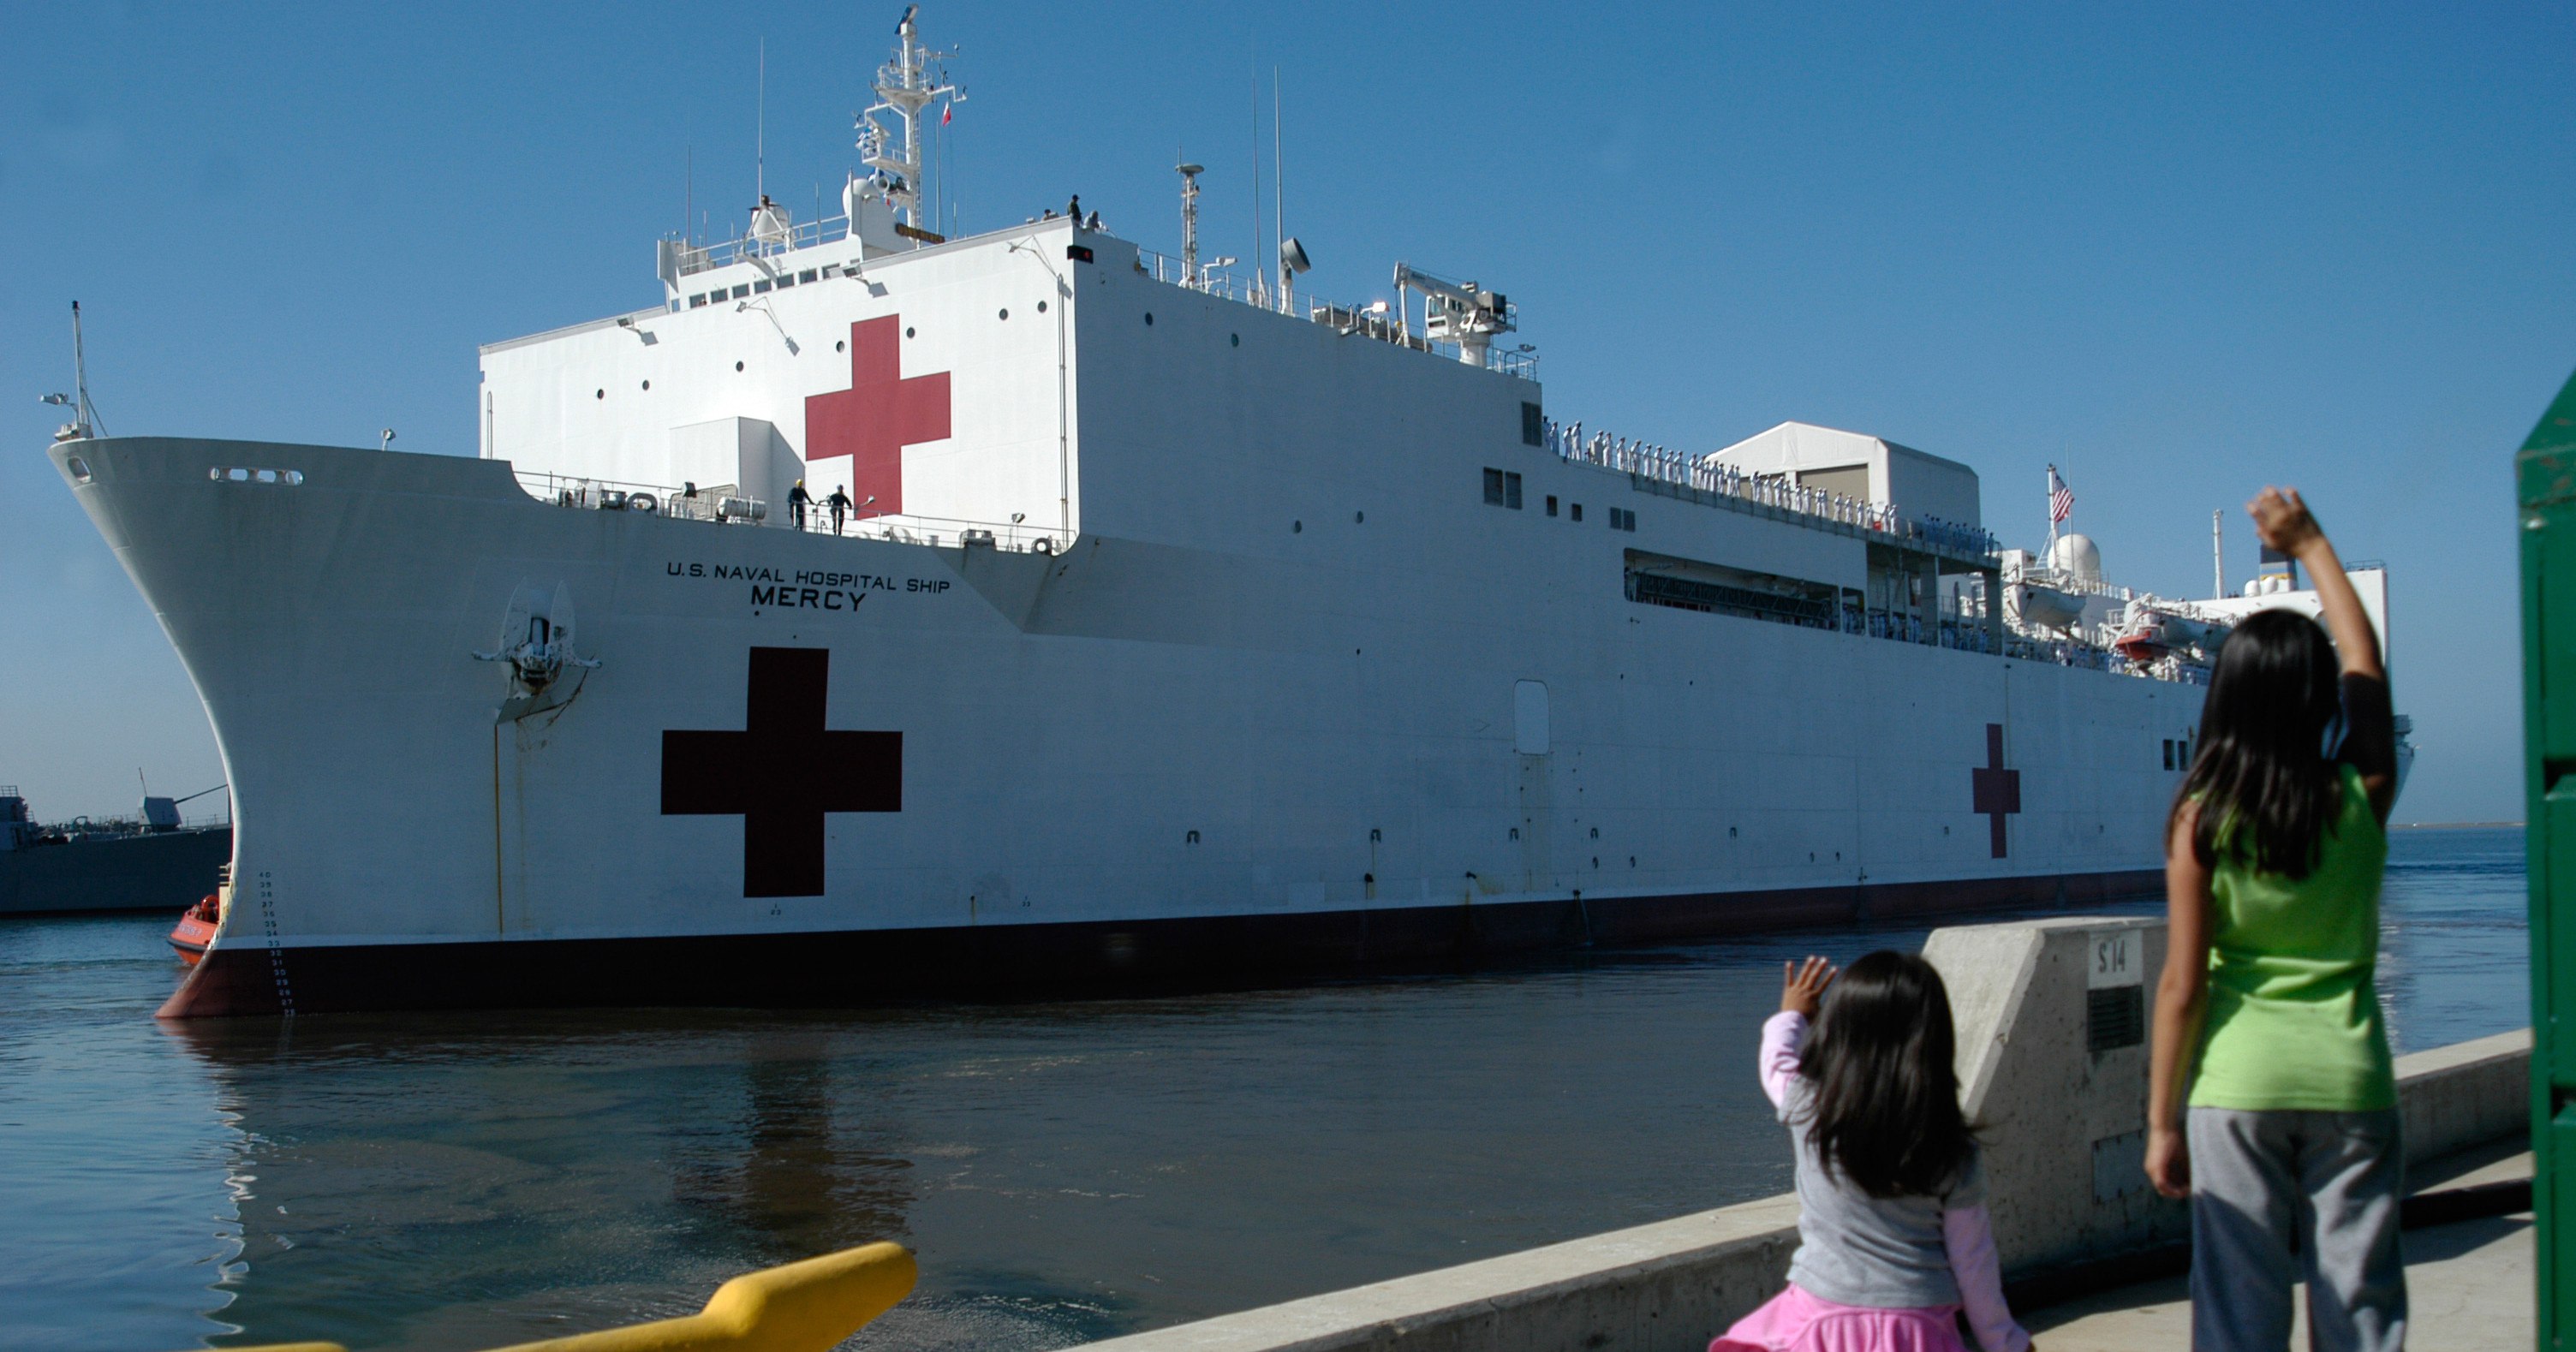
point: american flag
(2061, 499)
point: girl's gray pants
(2326, 1184)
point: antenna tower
(1190, 220)
(904, 87)
(2217, 557)
(84, 423)
(1255, 255)
(1278, 193)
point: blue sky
(2180, 251)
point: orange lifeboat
(196, 929)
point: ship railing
(2057, 580)
(1378, 319)
(697, 258)
(720, 504)
(905, 528)
(1714, 478)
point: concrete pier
(2052, 1058)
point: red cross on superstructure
(881, 413)
(1998, 790)
(782, 772)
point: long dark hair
(2261, 775)
(1886, 1108)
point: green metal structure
(2545, 485)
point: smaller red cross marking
(880, 414)
(1998, 790)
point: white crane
(1464, 314)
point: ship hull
(1032, 962)
(811, 769)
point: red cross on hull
(782, 773)
(1998, 790)
(881, 413)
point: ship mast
(904, 87)
(2217, 557)
(84, 423)
(1190, 221)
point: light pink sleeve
(1971, 1239)
(1781, 1034)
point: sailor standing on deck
(839, 502)
(797, 501)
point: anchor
(537, 645)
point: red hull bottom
(1021, 962)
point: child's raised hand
(2282, 520)
(1802, 985)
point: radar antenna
(904, 87)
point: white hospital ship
(1181, 629)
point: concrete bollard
(2052, 1020)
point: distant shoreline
(2455, 826)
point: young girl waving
(1892, 1233)
(2268, 1008)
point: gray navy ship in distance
(151, 861)
(1030, 612)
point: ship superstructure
(883, 614)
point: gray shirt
(1855, 1249)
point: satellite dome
(2076, 556)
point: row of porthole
(1234, 339)
(1299, 527)
(843, 345)
(237, 474)
(1231, 339)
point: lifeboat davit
(196, 929)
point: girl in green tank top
(2271, 1103)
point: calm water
(1065, 1172)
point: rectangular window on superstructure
(806, 276)
(786, 280)
(741, 291)
(1622, 519)
(1512, 491)
(1502, 489)
(760, 286)
(1551, 504)
(2169, 753)
(831, 269)
(1574, 510)
(1717, 589)
(1533, 425)
(697, 300)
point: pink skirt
(1794, 1321)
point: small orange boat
(196, 929)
